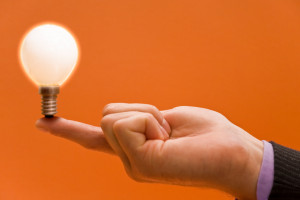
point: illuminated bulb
(48, 54)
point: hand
(185, 146)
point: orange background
(239, 57)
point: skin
(185, 146)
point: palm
(193, 130)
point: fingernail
(166, 126)
(165, 134)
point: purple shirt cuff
(266, 175)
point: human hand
(185, 146)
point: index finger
(89, 136)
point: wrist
(240, 171)
(245, 154)
(246, 177)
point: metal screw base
(49, 95)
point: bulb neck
(49, 95)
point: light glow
(49, 54)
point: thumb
(89, 136)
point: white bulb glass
(49, 54)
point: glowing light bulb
(48, 54)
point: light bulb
(48, 55)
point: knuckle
(153, 108)
(155, 111)
(108, 109)
(148, 116)
(105, 122)
(118, 125)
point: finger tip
(44, 123)
(39, 122)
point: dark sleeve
(286, 183)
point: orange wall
(239, 57)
